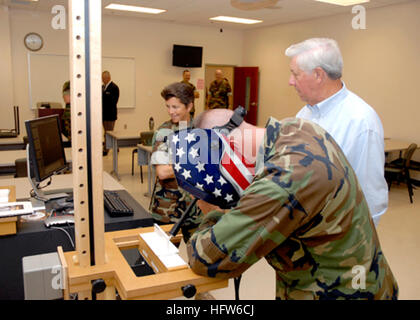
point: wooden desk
(120, 139)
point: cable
(237, 282)
(68, 235)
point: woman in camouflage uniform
(168, 202)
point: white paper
(163, 248)
(4, 195)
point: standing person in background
(316, 67)
(219, 92)
(66, 117)
(110, 96)
(186, 76)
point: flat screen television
(187, 56)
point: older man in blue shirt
(316, 68)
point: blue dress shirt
(357, 129)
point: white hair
(318, 52)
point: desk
(8, 158)
(59, 182)
(34, 238)
(395, 145)
(12, 143)
(144, 154)
(120, 139)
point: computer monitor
(45, 151)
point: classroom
(380, 54)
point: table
(395, 145)
(8, 158)
(144, 154)
(59, 182)
(19, 144)
(34, 238)
(12, 143)
(120, 139)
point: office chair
(399, 170)
(146, 138)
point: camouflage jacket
(306, 214)
(168, 202)
(66, 122)
(218, 94)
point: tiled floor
(398, 231)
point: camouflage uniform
(66, 117)
(192, 112)
(168, 202)
(306, 214)
(66, 121)
(218, 97)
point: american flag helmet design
(207, 166)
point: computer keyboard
(115, 205)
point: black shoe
(104, 153)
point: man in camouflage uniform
(66, 117)
(168, 202)
(218, 92)
(304, 212)
(186, 76)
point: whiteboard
(48, 72)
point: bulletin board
(48, 72)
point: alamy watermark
(359, 278)
(359, 20)
(58, 22)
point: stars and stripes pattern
(207, 166)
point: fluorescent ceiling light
(235, 20)
(344, 2)
(124, 7)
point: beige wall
(6, 77)
(381, 64)
(150, 43)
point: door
(245, 91)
